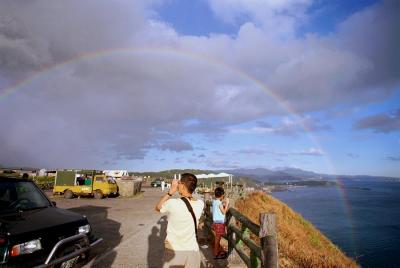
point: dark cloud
(380, 123)
(261, 151)
(222, 163)
(112, 107)
(311, 152)
(252, 151)
(353, 155)
(176, 146)
(393, 158)
(287, 127)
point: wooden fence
(263, 254)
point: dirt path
(133, 232)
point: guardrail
(258, 254)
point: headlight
(84, 229)
(26, 248)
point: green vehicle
(72, 183)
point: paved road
(133, 232)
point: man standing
(181, 247)
(162, 186)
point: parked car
(156, 183)
(35, 233)
(84, 182)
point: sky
(151, 85)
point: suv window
(20, 196)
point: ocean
(360, 217)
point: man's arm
(174, 188)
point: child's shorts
(219, 228)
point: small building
(210, 180)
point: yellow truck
(72, 183)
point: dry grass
(300, 243)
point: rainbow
(188, 55)
(164, 51)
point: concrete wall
(128, 188)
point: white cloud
(287, 127)
(277, 18)
(312, 151)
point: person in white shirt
(162, 186)
(181, 247)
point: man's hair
(219, 191)
(190, 181)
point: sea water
(360, 217)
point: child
(219, 209)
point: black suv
(34, 232)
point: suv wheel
(68, 194)
(98, 194)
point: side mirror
(54, 203)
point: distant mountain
(288, 174)
(298, 172)
(276, 175)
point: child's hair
(219, 191)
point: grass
(300, 244)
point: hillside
(300, 243)
(287, 174)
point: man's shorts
(184, 259)
(219, 228)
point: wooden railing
(263, 254)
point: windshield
(20, 196)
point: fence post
(229, 221)
(207, 212)
(254, 262)
(268, 239)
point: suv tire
(68, 194)
(98, 194)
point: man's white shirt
(180, 231)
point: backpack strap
(189, 207)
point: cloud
(222, 163)
(393, 158)
(353, 155)
(287, 127)
(261, 151)
(380, 123)
(276, 17)
(176, 146)
(116, 106)
(252, 151)
(311, 151)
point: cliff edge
(300, 244)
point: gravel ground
(132, 230)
